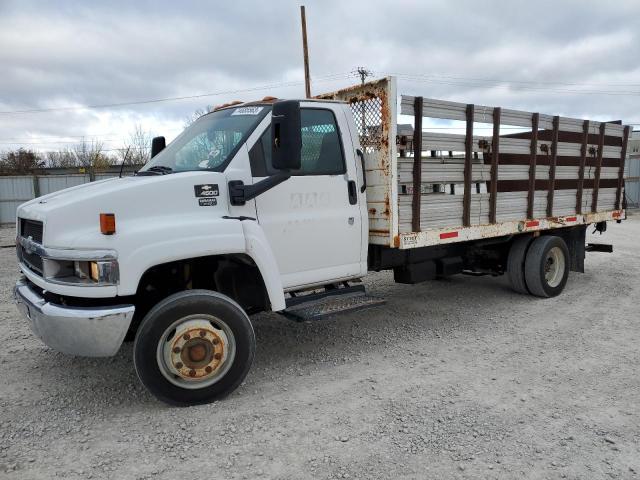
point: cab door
(313, 220)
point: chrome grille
(31, 228)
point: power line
(411, 78)
(494, 80)
(325, 78)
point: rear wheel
(194, 347)
(515, 263)
(547, 266)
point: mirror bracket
(239, 193)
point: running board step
(328, 305)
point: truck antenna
(305, 49)
(126, 155)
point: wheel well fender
(258, 248)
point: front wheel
(194, 347)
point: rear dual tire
(539, 266)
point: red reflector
(571, 219)
(532, 223)
(108, 223)
(615, 214)
(444, 236)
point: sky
(573, 58)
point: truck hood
(71, 216)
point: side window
(321, 147)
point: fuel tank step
(327, 304)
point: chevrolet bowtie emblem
(29, 245)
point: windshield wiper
(156, 170)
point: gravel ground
(458, 378)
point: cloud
(85, 53)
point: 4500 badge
(206, 194)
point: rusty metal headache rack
(436, 187)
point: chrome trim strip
(90, 332)
(31, 246)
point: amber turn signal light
(108, 223)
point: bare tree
(61, 159)
(136, 149)
(140, 143)
(20, 162)
(90, 156)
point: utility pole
(305, 50)
(364, 73)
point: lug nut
(192, 373)
(208, 369)
(215, 341)
(186, 336)
(176, 349)
(203, 333)
(179, 365)
(217, 356)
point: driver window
(321, 147)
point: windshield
(210, 142)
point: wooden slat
(468, 165)
(417, 163)
(596, 181)
(535, 118)
(552, 165)
(623, 157)
(583, 161)
(543, 184)
(495, 160)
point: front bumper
(89, 332)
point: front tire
(194, 347)
(547, 266)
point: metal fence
(632, 182)
(15, 190)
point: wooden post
(552, 165)
(305, 50)
(417, 164)
(583, 160)
(596, 179)
(535, 120)
(495, 160)
(468, 166)
(623, 157)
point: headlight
(81, 272)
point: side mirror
(286, 138)
(157, 145)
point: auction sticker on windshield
(247, 111)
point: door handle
(364, 175)
(353, 192)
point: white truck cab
(176, 227)
(284, 205)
